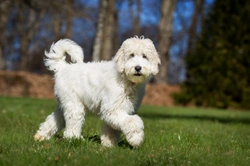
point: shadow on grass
(96, 139)
(245, 120)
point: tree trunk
(99, 31)
(57, 26)
(115, 40)
(165, 36)
(137, 19)
(69, 16)
(2, 60)
(135, 16)
(107, 47)
(24, 45)
(4, 10)
(103, 46)
(194, 24)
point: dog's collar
(133, 83)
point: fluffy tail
(55, 58)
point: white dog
(112, 89)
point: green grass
(173, 136)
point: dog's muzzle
(138, 71)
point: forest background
(203, 44)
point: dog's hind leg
(74, 115)
(109, 136)
(53, 123)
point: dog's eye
(144, 56)
(132, 55)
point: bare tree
(63, 13)
(165, 35)
(27, 26)
(103, 46)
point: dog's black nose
(137, 68)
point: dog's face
(138, 59)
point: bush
(218, 67)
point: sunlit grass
(173, 136)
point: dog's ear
(155, 63)
(155, 56)
(119, 59)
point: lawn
(173, 136)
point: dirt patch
(20, 84)
(160, 94)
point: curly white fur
(112, 89)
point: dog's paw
(38, 137)
(107, 141)
(72, 135)
(136, 138)
(107, 144)
(133, 130)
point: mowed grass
(173, 136)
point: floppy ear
(155, 63)
(155, 56)
(119, 59)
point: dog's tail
(55, 58)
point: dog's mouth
(137, 74)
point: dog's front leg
(133, 130)
(131, 125)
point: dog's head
(138, 59)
